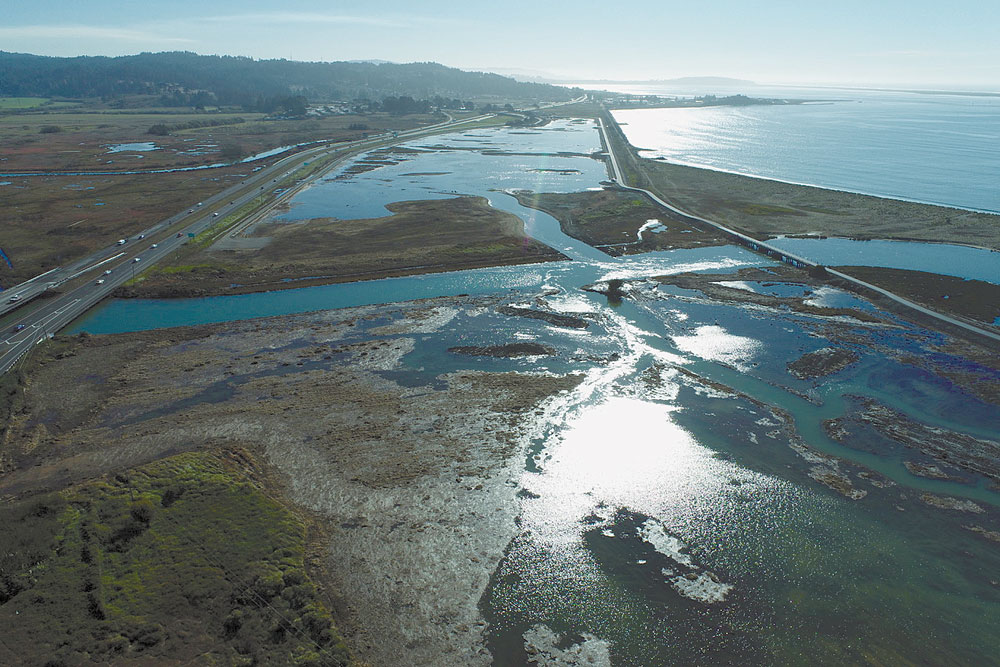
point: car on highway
(17, 327)
(122, 241)
(215, 215)
(100, 281)
(141, 236)
(155, 245)
(16, 297)
(107, 272)
(136, 259)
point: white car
(155, 245)
(136, 260)
(100, 281)
(107, 272)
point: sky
(932, 44)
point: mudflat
(412, 487)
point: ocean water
(933, 148)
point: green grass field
(21, 102)
(185, 559)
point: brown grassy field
(49, 221)
(419, 237)
(272, 456)
(84, 138)
(972, 299)
(46, 221)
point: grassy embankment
(184, 559)
(188, 558)
(51, 220)
(610, 220)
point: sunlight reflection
(714, 343)
(621, 453)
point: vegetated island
(410, 241)
(619, 222)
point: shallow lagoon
(663, 519)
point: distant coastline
(918, 150)
(700, 102)
(911, 200)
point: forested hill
(229, 80)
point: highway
(53, 278)
(757, 244)
(116, 264)
(35, 326)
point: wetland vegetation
(417, 237)
(742, 458)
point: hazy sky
(903, 42)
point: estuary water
(671, 509)
(939, 149)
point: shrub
(142, 511)
(170, 495)
(819, 272)
(49, 129)
(94, 607)
(233, 623)
(615, 292)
